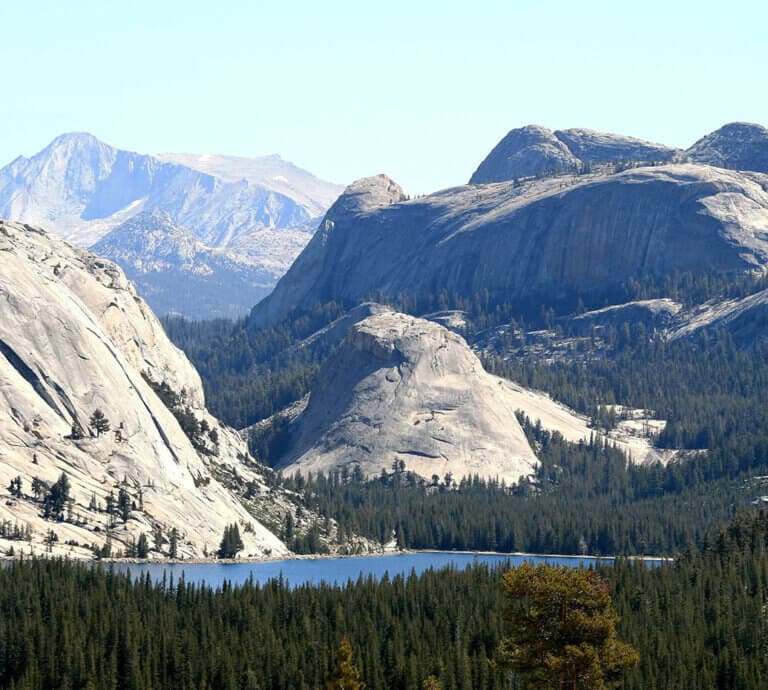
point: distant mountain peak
(74, 142)
(261, 211)
(75, 137)
(750, 128)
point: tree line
(696, 623)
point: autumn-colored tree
(345, 676)
(562, 629)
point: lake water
(338, 570)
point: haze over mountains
(259, 212)
(178, 274)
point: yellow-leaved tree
(562, 629)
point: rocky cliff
(75, 338)
(402, 388)
(737, 145)
(533, 151)
(543, 240)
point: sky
(418, 90)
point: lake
(298, 572)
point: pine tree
(39, 487)
(562, 627)
(14, 488)
(56, 499)
(345, 676)
(98, 422)
(142, 546)
(231, 542)
(124, 504)
(173, 546)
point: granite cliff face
(526, 152)
(74, 337)
(546, 239)
(402, 388)
(325, 262)
(737, 145)
(537, 151)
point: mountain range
(258, 213)
(564, 248)
(548, 239)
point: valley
(554, 361)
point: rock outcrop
(403, 388)
(737, 145)
(544, 240)
(535, 151)
(74, 338)
(526, 152)
(592, 147)
(326, 260)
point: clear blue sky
(419, 90)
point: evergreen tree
(56, 499)
(39, 488)
(173, 545)
(124, 504)
(98, 422)
(345, 675)
(231, 542)
(142, 546)
(14, 488)
(562, 629)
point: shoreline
(376, 554)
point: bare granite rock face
(535, 151)
(74, 337)
(318, 264)
(590, 147)
(403, 388)
(545, 239)
(526, 152)
(737, 145)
